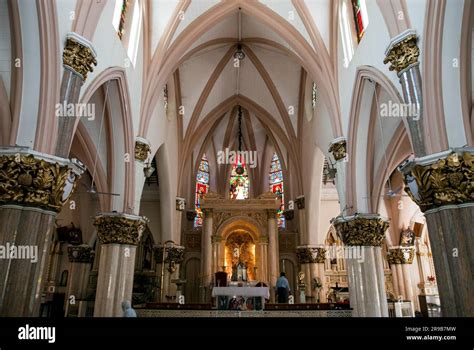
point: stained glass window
(360, 17)
(276, 186)
(120, 13)
(239, 181)
(202, 187)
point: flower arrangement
(431, 279)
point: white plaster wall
(320, 10)
(161, 12)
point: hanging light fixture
(240, 170)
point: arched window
(239, 180)
(276, 186)
(361, 19)
(126, 21)
(202, 187)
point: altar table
(244, 292)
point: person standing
(282, 288)
(127, 309)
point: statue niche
(240, 256)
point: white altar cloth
(241, 291)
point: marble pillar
(206, 257)
(79, 58)
(119, 235)
(80, 260)
(302, 229)
(311, 260)
(363, 235)
(274, 256)
(168, 267)
(34, 187)
(402, 54)
(441, 186)
(399, 258)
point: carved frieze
(308, 255)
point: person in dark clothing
(282, 288)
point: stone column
(216, 243)
(206, 259)
(441, 185)
(399, 258)
(300, 204)
(402, 53)
(80, 260)
(338, 149)
(363, 235)
(174, 256)
(119, 235)
(33, 188)
(274, 258)
(79, 58)
(311, 260)
(262, 273)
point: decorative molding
(264, 239)
(216, 239)
(119, 228)
(80, 254)
(311, 255)
(403, 52)
(401, 255)
(142, 149)
(338, 149)
(33, 179)
(440, 179)
(361, 229)
(299, 201)
(78, 55)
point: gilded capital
(174, 255)
(142, 149)
(308, 255)
(119, 228)
(401, 255)
(403, 51)
(338, 149)
(32, 179)
(80, 254)
(445, 178)
(361, 229)
(216, 239)
(78, 55)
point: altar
(240, 298)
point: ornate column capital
(119, 228)
(264, 239)
(80, 254)
(78, 55)
(180, 204)
(299, 201)
(361, 229)
(311, 255)
(208, 212)
(401, 255)
(174, 255)
(440, 179)
(216, 239)
(402, 52)
(271, 213)
(338, 148)
(33, 179)
(142, 149)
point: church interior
(182, 154)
